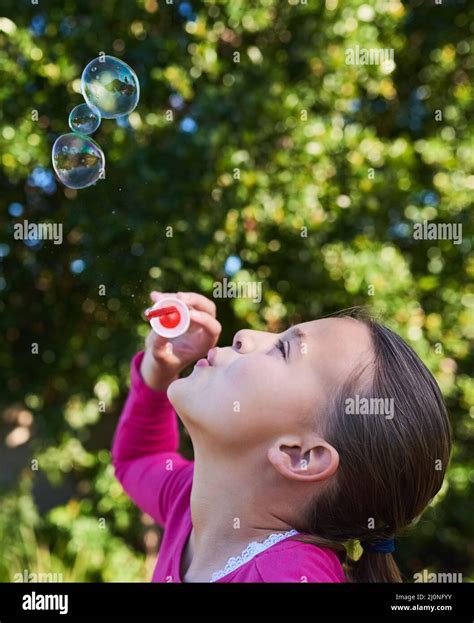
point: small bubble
(84, 119)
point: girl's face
(268, 385)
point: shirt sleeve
(145, 449)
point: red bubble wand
(169, 316)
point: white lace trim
(250, 552)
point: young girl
(289, 465)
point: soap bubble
(84, 119)
(77, 160)
(111, 86)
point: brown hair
(389, 469)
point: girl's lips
(202, 363)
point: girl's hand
(164, 359)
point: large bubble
(77, 160)
(111, 86)
(83, 119)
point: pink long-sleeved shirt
(159, 480)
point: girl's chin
(180, 389)
(173, 390)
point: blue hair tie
(383, 546)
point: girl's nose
(243, 342)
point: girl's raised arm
(145, 448)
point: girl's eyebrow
(295, 332)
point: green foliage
(289, 137)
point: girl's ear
(315, 464)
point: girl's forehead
(345, 337)
(344, 326)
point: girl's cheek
(248, 374)
(258, 387)
(239, 371)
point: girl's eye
(281, 347)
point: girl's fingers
(208, 323)
(192, 299)
(199, 302)
(156, 296)
(155, 341)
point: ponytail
(373, 567)
(368, 566)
